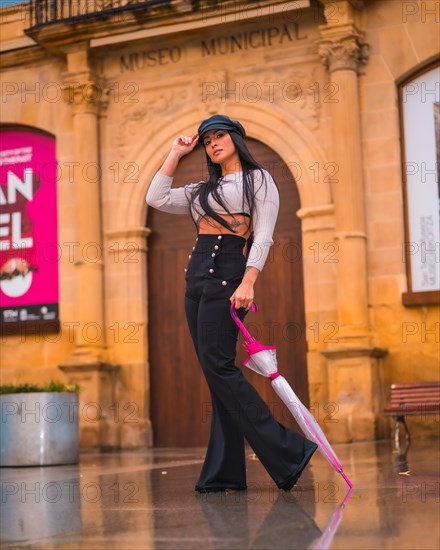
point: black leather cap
(220, 122)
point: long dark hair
(204, 189)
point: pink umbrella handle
(243, 329)
(347, 480)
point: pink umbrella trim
(255, 347)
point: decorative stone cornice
(317, 218)
(345, 53)
(21, 57)
(128, 241)
(89, 367)
(350, 235)
(316, 211)
(129, 233)
(355, 351)
(183, 6)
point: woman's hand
(184, 144)
(181, 147)
(243, 296)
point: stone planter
(39, 429)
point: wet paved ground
(146, 500)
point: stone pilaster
(83, 91)
(87, 365)
(354, 367)
(343, 52)
(126, 329)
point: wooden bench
(412, 399)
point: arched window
(420, 129)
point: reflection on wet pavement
(146, 500)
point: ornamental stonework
(87, 95)
(298, 92)
(151, 105)
(347, 53)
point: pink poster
(28, 225)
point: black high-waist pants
(215, 269)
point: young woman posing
(235, 212)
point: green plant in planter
(51, 387)
(39, 424)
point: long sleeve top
(176, 201)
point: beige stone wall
(402, 37)
(35, 358)
(147, 106)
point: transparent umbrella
(262, 359)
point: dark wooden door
(180, 402)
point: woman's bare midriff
(211, 227)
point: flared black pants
(214, 271)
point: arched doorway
(180, 402)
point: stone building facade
(316, 82)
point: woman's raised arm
(159, 194)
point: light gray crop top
(176, 201)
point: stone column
(354, 365)
(127, 335)
(83, 91)
(343, 52)
(87, 366)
